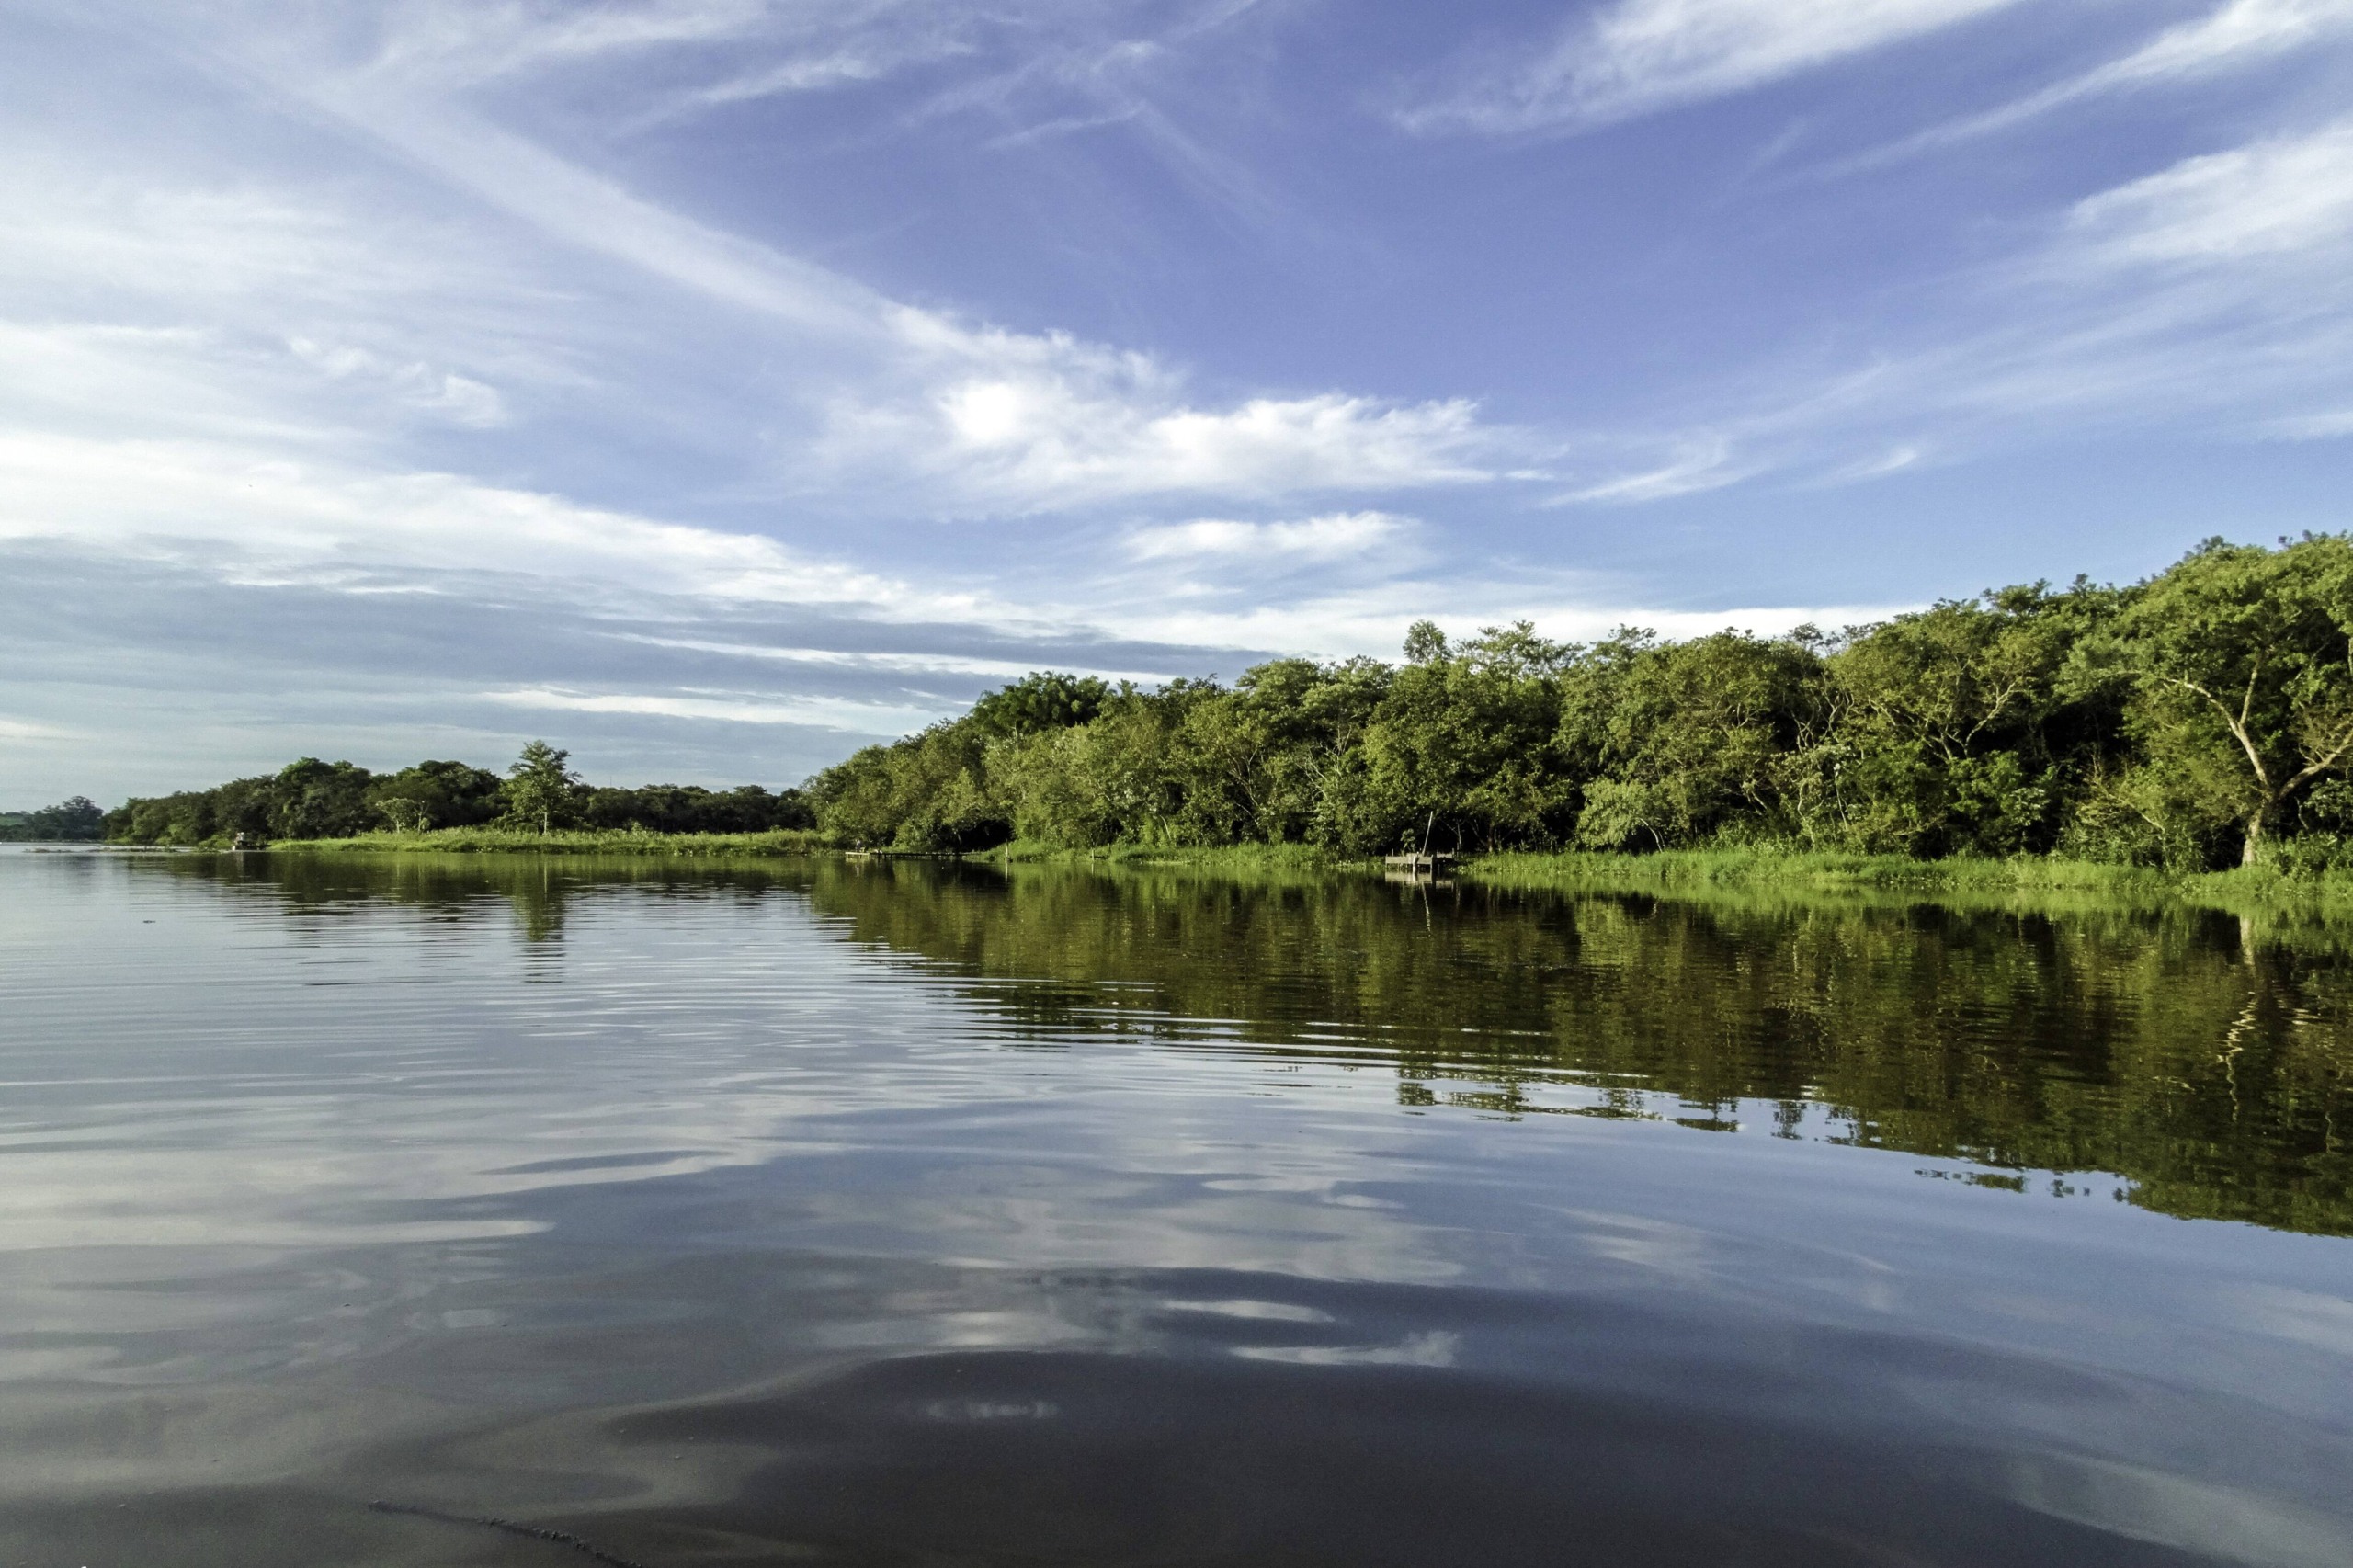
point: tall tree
(2245, 672)
(540, 786)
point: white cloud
(372, 302)
(2288, 196)
(1030, 420)
(2216, 293)
(1639, 56)
(2236, 35)
(1058, 435)
(1335, 537)
(1372, 620)
(822, 713)
(459, 398)
(2234, 32)
(266, 512)
(21, 729)
(909, 664)
(2327, 426)
(1708, 464)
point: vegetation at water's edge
(1694, 871)
(453, 806)
(2199, 719)
(77, 821)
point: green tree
(1680, 740)
(2245, 676)
(1265, 761)
(1462, 749)
(540, 787)
(1044, 700)
(310, 799)
(69, 821)
(436, 794)
(1954, 729)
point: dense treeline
(2199, 718)
(310, 798)
(75, 820)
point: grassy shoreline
(1668, 872)
(1695, 869)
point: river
(502, 1210)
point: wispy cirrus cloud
(24, 730)
(270, 284)
(846, 715)
(1636, 57)
(2218, 289)
(257, 511)
(2288, 196)
(2236, 35)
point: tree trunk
(2252, 850)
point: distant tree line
(310, 798)
(2202, 717)
(75, 820)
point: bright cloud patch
(1337, 537)
(2277, 198)
(1639, 56)
(830, 713)
(19, 730)
(1041, 439)
(276, 513)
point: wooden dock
(1419, 865)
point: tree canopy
(77, 820)
(310, 798)
(2202, 717)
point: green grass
(1696, 872)
(1687, 873)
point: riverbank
(1674, 871)
(1695, 869)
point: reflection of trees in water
(2204, 1061)
(535, 891)
(2202, 1056)
(539, 917)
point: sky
(712, 387)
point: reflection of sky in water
(439, 1190)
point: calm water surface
(900, 1214)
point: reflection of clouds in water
(367, 1073)
(2305, 1317)
(2228, 1523)
(742, 1189)
(1415, 1350)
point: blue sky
(712, 386)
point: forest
(2197, 719)
(312, 799)
(75, 820)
